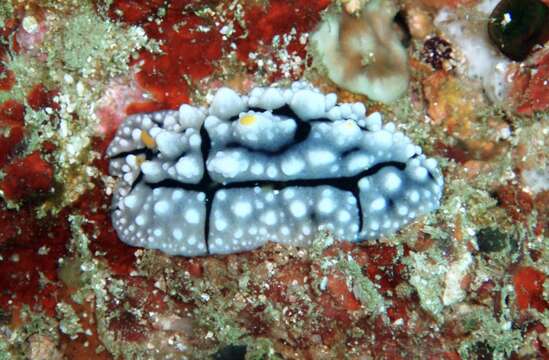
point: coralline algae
(279, 165)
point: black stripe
(210, 187)
(343, 183)
(206, 183)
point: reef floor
(468, 281)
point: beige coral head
(363, 53)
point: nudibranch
(278, 164)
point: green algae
(221, 326)
(499, 335)
(83, 53)
(94, 278)
(40, 125)
(216, 319)
(37, 323)
(92, 47)
(69, 322)
(261, 349)
(6, 12)
(27, 70)
(427, 271)
(466, 209)
(14, 342)
(228, 289)
(5, 353)
(363, 288)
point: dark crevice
(350, 152)
(137, 181)
(286, 111)
(403, 28)
(136, 152)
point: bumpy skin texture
(279, 165)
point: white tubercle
(226, 103)
(308, 104)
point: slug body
(278, 164)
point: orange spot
(148, 140)
(247, 120)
